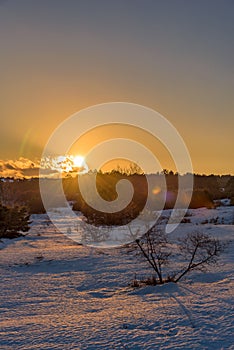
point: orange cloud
(19, 168)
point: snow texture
(56, 294)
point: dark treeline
(207, 188)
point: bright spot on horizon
(78, 161)
(66, 164)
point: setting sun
(78, 161)
(65, 164)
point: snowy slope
(56, 294)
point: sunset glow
(116, 174)
(65, 164)
(78, 161)
(173, 65)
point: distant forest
(207, 191)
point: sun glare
(78, 161)
(66, 164)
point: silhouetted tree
(198, 249)
(13, 221)
(155, 249)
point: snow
(75, 226)
(57, 294)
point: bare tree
(156, 250)
(198, 251)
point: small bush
(13, 221)
(150, 281)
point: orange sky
(176, 60)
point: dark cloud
(30, 172)
(9, 166)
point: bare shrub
(200, 250)
(197, 251)
(155, 249)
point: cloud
(48, 167)
(9, 166)
(19, 168)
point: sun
(78, 164)
(78, 161)
(64, 164)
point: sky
(176, 57)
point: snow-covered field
(56, 294)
